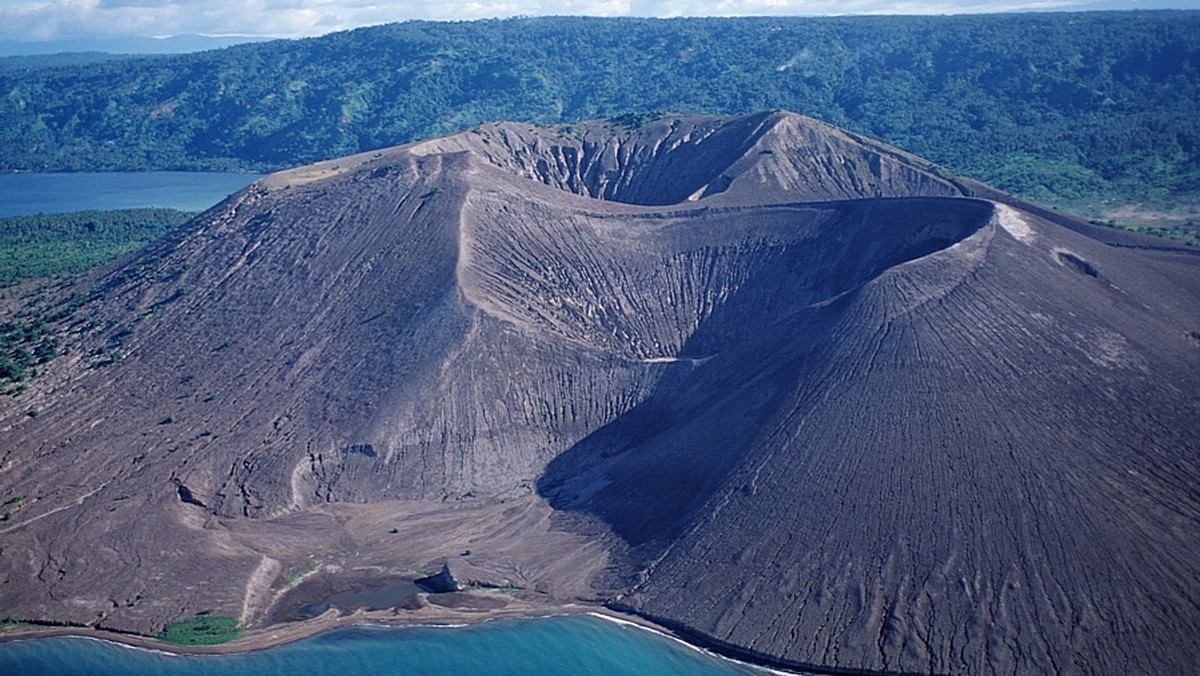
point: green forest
(50, 244)
(1091, 111)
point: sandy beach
(432, 615)
(280, 633)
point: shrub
(201, 629)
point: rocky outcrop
(439, 583)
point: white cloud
(65, 19)
(842, 7)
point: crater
(665, 162)
(765, 157)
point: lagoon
(575, 645)
(30, 194)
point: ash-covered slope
(816, 404)
(949, 470)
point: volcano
(792, 393)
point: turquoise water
(29, 194)
(561, 646)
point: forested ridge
(1068, 108)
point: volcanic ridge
(794, 394)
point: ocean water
(29, 194)
(559, 646)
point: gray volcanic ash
(792, 392)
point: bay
(574, 645)
(30, 194)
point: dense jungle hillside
(1092, 111)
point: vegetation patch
(11, 621)
(24, 343)
(202, 629)
(1187, 233)
(291, 578)
(50, 244)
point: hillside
(800, 396)
(1095, 111)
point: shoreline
(283, 633)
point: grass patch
(11, 622)
(201, 630)
(291, 578)
(1187, 233)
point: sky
(33, 21)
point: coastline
(283, 633)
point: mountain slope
(790, 391)
(953, 475)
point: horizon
(29, 28)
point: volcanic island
(789, 393)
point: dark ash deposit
(788, 390)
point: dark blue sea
(30, 194)
(560, 646)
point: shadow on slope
(647, 471)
